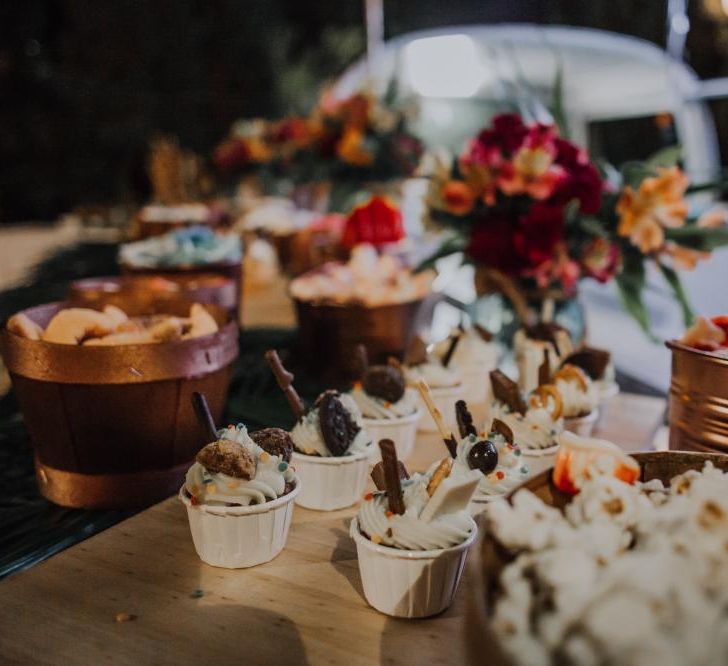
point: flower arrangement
(360, 138)
(531, 211)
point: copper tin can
(185, 274)
(113, 427)
(329, 334)
(698, 400)
(208, 288)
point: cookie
(24, 326)
(505, 390)
(337, 427)
(592, 361)
(385, 382)
(228, 457)
(464, 419)
(379, 478)
(275, 441)
(73, 326)
(502, 428)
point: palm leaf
(673, 279)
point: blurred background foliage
(86, 83)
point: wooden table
(306, 606)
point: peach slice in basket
(581, 458)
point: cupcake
(389, 408)
(412, 536)
(536, 424)
(445, 383)
(580, 398)
(473, 356)
(494, 454)
(239, 500)
(331, 447)
(529, 345)
(598, 366)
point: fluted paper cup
(237, 537)
(410, 583)
(582, 425)
(538, 460)
(331, 483)
(402, 431)
(445, 399)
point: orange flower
(482, 179)
(684, 258)
(531, 172)
(350, 148)
(459, 198)
(657, 204)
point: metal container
(698, 400)
(114, 427)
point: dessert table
(137, 593)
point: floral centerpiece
(349, 143)
(536, 216)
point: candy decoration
(393, 485)
(483, 456)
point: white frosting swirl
(271, 475)
(407, 531)
(309, 440)
(529, 355)
(577, 401)
(536, 429)
(471, 352)
(372, 407)
(509, 473)
(434, 373)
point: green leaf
(673, 279)
(634, 172)
(630, 284)
(557, 102)
(449, 246)
(593, 226)
(665, 158)
(698, 238)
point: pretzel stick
(446, 435)
(285, 381)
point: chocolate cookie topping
(546, 332)
(502, 429)
(464, 419)
(506, 391)
(385, 382)
(275, 441)
(544, 370)
(416, 352)
(378, 474)
(227, 457)
(592, 361)
(337, 427)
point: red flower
(508, 132)
(539, 232)
(231, 154)
(601, 259)
(492, 244)
(581, 180)
(377, 222)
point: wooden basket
(113, 427)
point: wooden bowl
(489, 558)
(208, 288)
(113, 427)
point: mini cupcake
(495, 455)
(412, 536)
(445, 382)
(536, 424)
(580, 399)
(331, 447)
(473, 357)
(390, 410)
(597, 364)
(239, 500)
(529, 345)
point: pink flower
(601, 260)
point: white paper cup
(409, 583)
(236, 537)
(402, 431)
(537, 460)
(607, 391)
(582, 425)
(330, 483)
(445, 399)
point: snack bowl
(489, 558)
(237, 537)
(113, 426)
(444, 398)
(582, 425)
(409, 583)
(402, 431)
(330, 482)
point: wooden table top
(306, 606)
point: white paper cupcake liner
(237, 537)
(445, 399)
(582, 425)
(330, 483)
(537, 460)
(402, 431)
(409, 583)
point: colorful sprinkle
(232, 485)
(517, 452)
(357, 385)
(282, 466)
(368, 497)
(265, 456)
(212, 489)
(207, 479)
(376, 538)
(500, 475)
(524, 470)
(389, 514)
(193, 500)
(231, 427)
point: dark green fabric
(31, 528)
